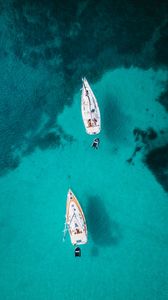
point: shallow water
(45, 150)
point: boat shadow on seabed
(103, 231)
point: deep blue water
(46, 47)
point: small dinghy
(75, 222)
(96, 143)
(90, 109)
(77, 251)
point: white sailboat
(90, 109)
(75, 222)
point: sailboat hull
(90, 109)
(75, 220)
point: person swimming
(96, 143)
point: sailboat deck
(90, 110)
(75, 221)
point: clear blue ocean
(46, 47)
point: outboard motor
(77, 251)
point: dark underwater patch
(144, 135)
(108, 35)
(50, 52)
(8, 161)
(163, 98)
(157, 162)
(114, 120)
(50, 140)
(161, 46)
(125, 26)
(47, 140)
(103, 230)
(143, 139)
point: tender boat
(90, 109)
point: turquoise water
(45, 150)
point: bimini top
(75, 220)
(90, 109)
